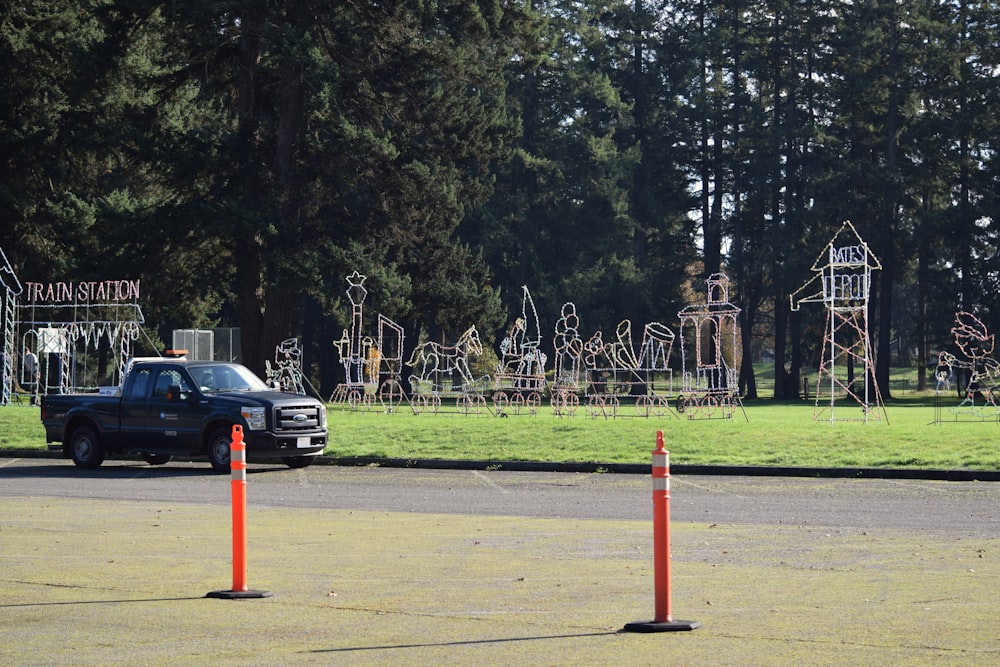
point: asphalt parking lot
(91, 577)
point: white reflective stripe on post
(661, 470)
(238, 463)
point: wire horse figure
(442, 371)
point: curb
(618, 468)
(675, 469)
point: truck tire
(218, 449)
(299, 461)
(86, 448)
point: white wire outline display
(519, 377)
(844, 273)
(12, 289)
(56, 317)
(442, 371)
(372, 366)
(710, 381)
(976, 343)
(287, 372)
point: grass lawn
(774, 434)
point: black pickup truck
(173, 407)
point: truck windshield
(226, 377)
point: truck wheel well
(74, 424)
(211, 428)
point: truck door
(133, 404)
(173, 424)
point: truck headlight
(322, 416)
(255, 417)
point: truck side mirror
(174, 393)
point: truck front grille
(297, 418)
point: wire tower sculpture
(844, 288)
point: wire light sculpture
(606, 373)
(653, 369)
(976, 344)
(844, 274)
(710, 332)
(617, 374)
(60, 323)
(519, 380)
(386, 364)
(8, 308)
(372, 366)
(287, 376)
(443, 372)
(568, 370)
(353, 347)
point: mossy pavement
(86, 582)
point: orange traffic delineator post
(238, 466)
(663, 620)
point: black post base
(660, 626)
(238, 595)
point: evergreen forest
(242, 157)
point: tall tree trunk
(640, 199)
(888, 224)
(712, 232)
(266, 314)
(795, 372)
(249, 256)
(922, 343)
(747, 378)
(781, 377)
(711, 239)
(965, 261)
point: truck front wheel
(218, 449)
(86, 448)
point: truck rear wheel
(218, 449)
(86, 448)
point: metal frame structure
(519, 380)
(443, 372)
(372, 367)
(710, 382)
(976, 344)
(59, 322)
(62, 328)
(12, 288)
(844, 273)
(287, 374)
(568, 372)
(615, 373)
